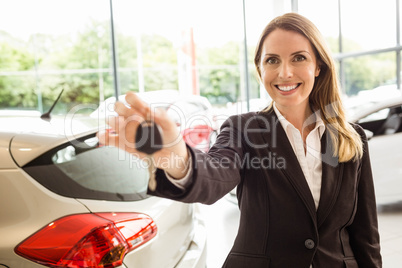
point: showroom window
(366, 46)
(195, 47)
(47, 46)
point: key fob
(148, 138)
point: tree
(17, 88)
(365, 72)
(219, 71)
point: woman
(303, 175)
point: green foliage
(368, 72)
(159, 62)
(365, 72)
(221, 74)
(16, 85)
(15, 58)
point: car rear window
(82, 169)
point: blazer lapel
(278, 143)
(332, 172)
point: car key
(148, 140)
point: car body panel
(27, 207)
(26, 147)
(375, 107)
(196, 254)
(5, 156)
(385, 147)
(386, 155)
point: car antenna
(46, 116)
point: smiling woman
(322, 178)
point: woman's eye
(299, 58)
(272, 61)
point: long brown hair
(325, 95)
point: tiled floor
(390, 226)
(222, 223)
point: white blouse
(310, 158)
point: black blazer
(279, 224)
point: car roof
(22, 139)
(392, 102)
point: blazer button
(309, 244)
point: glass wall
(368, 72)
(363, 36)
(47, 46)
(368, 25)
(195, 47)
(326, 20)
(182, 45)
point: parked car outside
(68, 202)
(193, 114)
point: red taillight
(88, 240)
(197, 134)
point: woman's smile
(287, 88)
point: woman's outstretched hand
(173, 158)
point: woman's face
(288, 68)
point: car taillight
(88, 240)
(197, 134)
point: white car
(67, 202)
(366, 98)
(384, 120)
